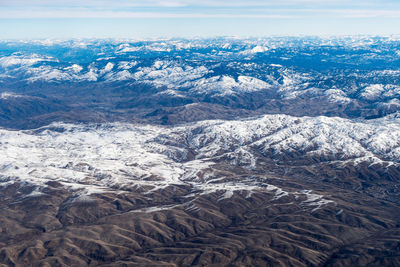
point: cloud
(268, 9)
(188, 3)
(121, 14)
(367, 13)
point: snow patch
(75, 68)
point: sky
(64, 19)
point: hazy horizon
(41, 19)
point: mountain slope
(206, 152)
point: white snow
(255, 50)
(126, 48)
(22, 60)
(372, 91)
(89, 76)
(75, 68)
(170, 74)
(107, 68)
(314, 200)
(226, 85)
(119, 76)
(259, 49)
(8, 95)
(156, 208)
(100, 158)
(126, 65)
(47, 73)
(337, 96)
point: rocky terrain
(176, 81)
(222, 152)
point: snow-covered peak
(372, 91)
(112, 156)
(336, 70)
(8, 95)
(75, 68)
(23, 60)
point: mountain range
(279, 151)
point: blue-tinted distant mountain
(160, 81)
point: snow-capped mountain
(150, 80)
(102, 157)
(204, 152)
